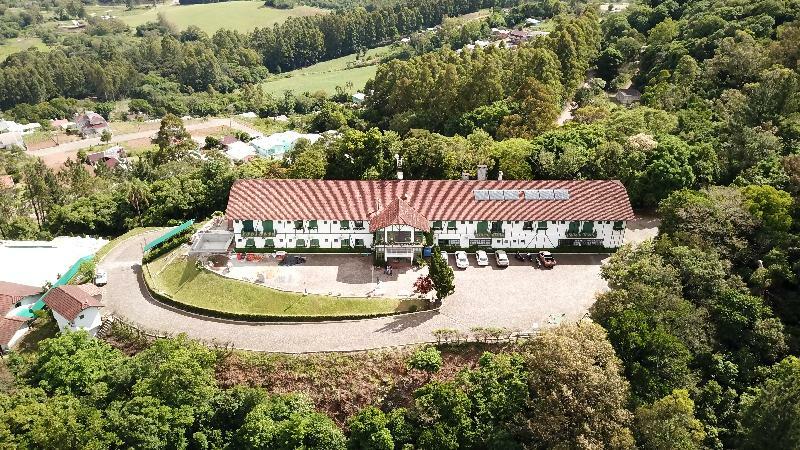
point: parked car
(100, 278)
(461, 260)
(545, 260)
(483, 260)
(444, 256)
(501, 258)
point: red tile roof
(68, 301)
(268, 199)
(11, 293)
(398, 212)
(9, 326)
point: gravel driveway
(516, 297)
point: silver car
(501, 258)
(483, 259)
(461, 260)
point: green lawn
(239, 15)
(116, 241)
(185, 283)
(15, 45)
(325, 76)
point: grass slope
(210, 17)
(325, 76)
(184, 282)
(19, 44)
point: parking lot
(519, 296)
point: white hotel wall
(330, 234)
(89, 319)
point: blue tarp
(155, 242)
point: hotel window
(358, 225)
(437, 225)
(527, 225)
(345, 225)
(298, 224)
(451, 225)
(542, 225)
(619, 225)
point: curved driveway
(483, 297)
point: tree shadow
(407, 321)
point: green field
(184, 282)
(325, 76)
(19, 44)
(240, 15)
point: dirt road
(56, 155)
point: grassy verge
(116, 241)
(325, 76)
(181, 281)
(11, 46)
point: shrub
(427, 359)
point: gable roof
(11, 293)
(398, 212)
(69, 300)
(270, 199)
(9, 326)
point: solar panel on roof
(481, 195)
(495, 195)
(561, 194)
(531, 194)
(510, 195)
(546, 194)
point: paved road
(60, 153)
(484, 297)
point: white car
(444, 256)
(501, 258)
(483, 260)
(100, 278)
(461, 260)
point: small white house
(9, 126)
(76, 307)
(275, 145)
(14, 299)
(359, 97)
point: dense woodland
(700, 329)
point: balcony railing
(490, 235)
(251, 234)
(582, 234)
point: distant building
(275, 145)
(90, 124)
(359, 97)
(11, 139)
(8, 126)
(112, 157)
(239, 151)
(249, 115)
(61, 124)
(14, 297)
(532, 21)
(628, 96)
(6, 182)
(76, 307)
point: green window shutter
(588, 226)
(345, 243)
(298, 224)
(619, 225)
(359, 225)
(573, 227)
(315, 243)
(451, 225)
(344, 224)
(527, 225)
(269, 244)
(542, 225)
(312, 224)
(437, 225)
(483, 226)
(497, 227)
(250, 243)
(300, 243)
(359, 242)
(267, 225)
(247, 226)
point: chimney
(500, 176)
(465, 175)
(482, 170)
(399, 174)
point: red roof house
(69, 301)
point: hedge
(169, 245)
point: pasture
(238, 15)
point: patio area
(327, 274)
